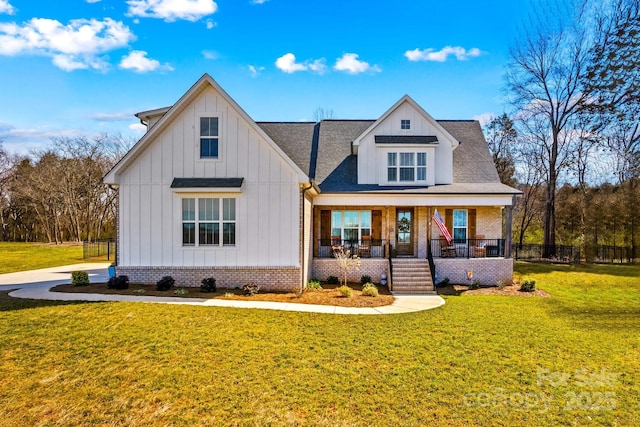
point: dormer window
(405, 124)
(406, 167)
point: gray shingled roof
(326, 156)
(405, 139)
(207, 182)
(472, 160)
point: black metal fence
(547, 253)
(614, 254)
(98, 249)
(364, 248)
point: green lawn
(29, 256)
(573, 359)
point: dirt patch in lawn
(513, 290)
(327, 296)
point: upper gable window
(405, 124)
(209, 137)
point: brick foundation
(269, 278)
(488, 271)
(325, 267)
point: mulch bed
(326, 296)
(513, 290)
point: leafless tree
(543, 80)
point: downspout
(304, 191)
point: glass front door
(404, 231)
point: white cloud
(172, 10)
(22, 140)
(441, 55)
(258, 1)
(211, 24)
(350, 63)
(288, 64)
(138, 128)
(210, 54)
(484, 118)
(113, 117)
(137, 61)
(318, 66)
(255, 71)
(74, 46)
(93, 1)
(5, 7)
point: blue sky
(81, 67)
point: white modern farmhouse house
(208, 192)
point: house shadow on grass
(8, 303)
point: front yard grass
(31, 256)
(571, 359)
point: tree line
(570, 140)
(57, 194)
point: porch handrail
(467, 248)
(364, 248)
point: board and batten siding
(372, 157)
(267, 208)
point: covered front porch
(381, 234)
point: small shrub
(181, 291)
(444, 282)
(251, 288)
(365, 279)
(528, 286)
(345, 291)
(118, 282)
(140, 291)
(333, 280)
(314, 285)
(229, 294)
(474, 285)
(80, 278)
(500, 284)
(165, 283)
(208, 285)
(370, 290)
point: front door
(404, 231)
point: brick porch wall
(325, 267)
(488, 271)
(269, 278)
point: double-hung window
(209, 137)
(460, 225)
(208, 221)
(410, 167)
(351, 225)
(407, 163)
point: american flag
(443, 228)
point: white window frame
(198, 138)
(225, 217)
(406, 160)
(342, 227)
(464, 227)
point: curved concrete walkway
(36, 284)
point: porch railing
(467, 248)
(364, 248)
